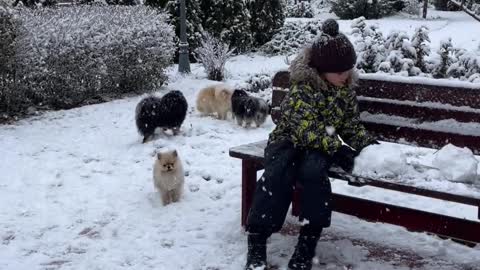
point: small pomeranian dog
(215, 99)
(248, 109)
(168, 176)
(167, 112)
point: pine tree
(194, 22)
(401, 55)
(267, 17)
(350, 9)
(419, 42)
(445, 51)
(156, 3)
(369, 45)
(236, 25)
(212, 16)
(228, 20)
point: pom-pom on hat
(332, 51)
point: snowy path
(76, 193)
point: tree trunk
(425, 5)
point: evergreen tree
(212, 16)
(368, 42)
(445, 51)
(267, 17)
(228, 20)
(236, 25)
(401, 55)
(156, 3)
(419, 42)
(370, 9)
(194, 23)
(122, 2)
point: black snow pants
(284, 165)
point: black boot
(257, 251)
(304, 252)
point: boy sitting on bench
(319, 125)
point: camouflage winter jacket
(314, 112)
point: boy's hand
(345, 158)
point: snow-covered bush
(401, 55)
(299, 9)
(420, 40)
(412, 7)
(259, 82)
(445, 51)
(464, 65)
(350, 9)
(9, 29)
(293, 36)
(69, 56)
(213, 54)
(369, 44)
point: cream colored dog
(215, 99)
(168, 176)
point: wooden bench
(396, 112)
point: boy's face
(338, 78)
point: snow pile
(384, 160)
(393, 161)
(456, 164)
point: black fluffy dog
(248, 109)
(167, 112)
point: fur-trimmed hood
(302, 73)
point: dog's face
(262, 112)
(238, 93)
(168, 161)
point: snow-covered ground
(76, 192)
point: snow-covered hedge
(293, 36)
(69, 56)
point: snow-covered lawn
(76, 193)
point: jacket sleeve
(353, 131)
(307, 126)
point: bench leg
(249, 180)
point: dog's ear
(159, 155)
(174, 153)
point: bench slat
(419, 111)
(455, 96)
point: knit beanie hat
(332, 51)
